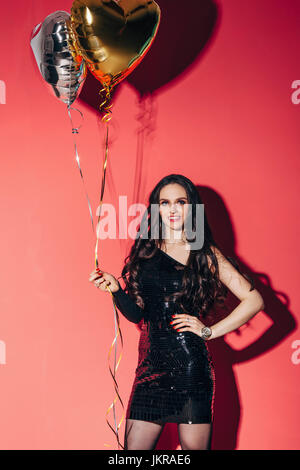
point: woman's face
(173, 207)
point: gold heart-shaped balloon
(113, 36)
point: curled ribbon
(113, 374)
(106, 107)
(75, 130)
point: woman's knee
(141, 435)
(195, 436)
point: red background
(220, 111)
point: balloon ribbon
(113, 374)
(106, 107)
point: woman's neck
(174, 241)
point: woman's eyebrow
(164, 199)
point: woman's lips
(174, 218)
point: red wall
(224, 117)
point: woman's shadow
(227, 407)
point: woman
(171, 287)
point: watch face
(206, 331)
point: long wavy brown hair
(201, 285)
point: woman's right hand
(102, 279)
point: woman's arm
(127, 306)
(251, 302)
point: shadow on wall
(186, 29)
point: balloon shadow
(186, 31)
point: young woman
(171, 287)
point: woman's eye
(165, 202)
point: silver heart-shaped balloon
(59, 64)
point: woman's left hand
(185, 322)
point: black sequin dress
(174, 379)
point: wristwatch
(206, 332)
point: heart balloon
(113, 36)
(60, 67)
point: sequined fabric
(174, 378)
